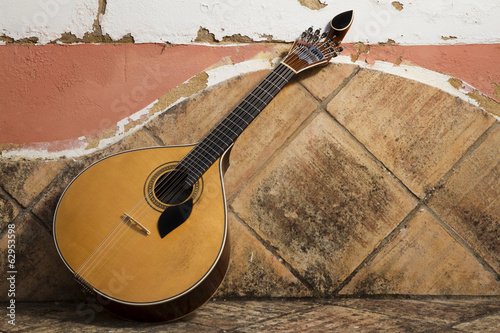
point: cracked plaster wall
(178, 22)
(426, 34)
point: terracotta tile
(338, 319)
(191, 119)
(321, 83)
(323, 204)
(469, 200)
(41, 274)
(24, 180)
(254, 271)
(8, 211)
(417, 131)
(423, 259)
(289, 109)
(482, 325)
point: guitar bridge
(134, 223)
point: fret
(245, 101)
(265, 79)
(229, 128)
(237, 115)
(265, 91)
(235, 124)
(258, 99)
(223, 135)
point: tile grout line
(286, 143)
(22, 210)
(273, 251)
(27, 211)
(456, 236)
(386, 240)
(153, 136)
(470, 152)
(442, 182)
(282, 147)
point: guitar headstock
(314, 48)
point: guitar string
(224, 148)
(255, 96)
(237, 115)
(253, 102)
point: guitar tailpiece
(85, 286)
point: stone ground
(307, 315)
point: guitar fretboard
(222, 136)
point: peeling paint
(416, 73)
(211, 77)
(188, 88)
(360, 49)
(313, 4)
(485, 102)
(398, 5)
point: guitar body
(107, 230)
(146, 230)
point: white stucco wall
(46, 19)
(178, 21)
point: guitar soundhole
(163, 187)
(169, 188)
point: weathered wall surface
(384, 165)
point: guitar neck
(223, 135)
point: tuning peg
(340, 49)
(323, 35)
(317, 32)
(334, 54)
(310, 30)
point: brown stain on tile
(24, 180)
(322, 197)
(423, 259)
(256, 272)
(41, 274)
(8, 211)
(468, 200)
(417, 131)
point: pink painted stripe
(56, 92)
